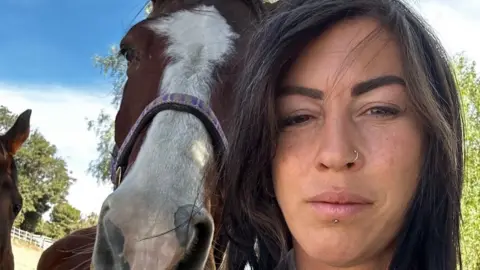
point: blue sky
(46, 50)
(46, 64)
(45, 41)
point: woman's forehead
(359, 47)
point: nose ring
(356, 156)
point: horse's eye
(128, 53)
(17, 208)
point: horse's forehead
(163, 11)
(137, 32)
(183, 32)
(160, 8)
(171, 6)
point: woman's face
(342, 97)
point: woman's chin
(337, 252)
(337, 258)
(341, 250)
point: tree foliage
(103, 127)
(89, 221)
(7, 119)
(65, 219)
(114, 67)
(469, 86)
(43, 176)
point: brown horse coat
(74, 251)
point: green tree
(469, 85)
(103, 127)
(43, 176)
(7, 119)
(114, 67)
(65, 222)
(64, 219)
(89, 221)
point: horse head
(169, 131)
(10, 197)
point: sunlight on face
(342, 96)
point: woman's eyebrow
(357, 90)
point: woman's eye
(294, 120)
(383, 111)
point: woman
(347, 152)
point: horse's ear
(150, 5)
(270, 6)
(18, 133)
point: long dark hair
(429, 236)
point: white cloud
(59, 114)
(456, 23)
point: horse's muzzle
(187, 247)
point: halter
(177, 102)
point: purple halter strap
(177, 102)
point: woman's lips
(333, 211)
(331, 205)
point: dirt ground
(26, 257)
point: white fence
(34, 239)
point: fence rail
(31, 238)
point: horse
(10, 197)
(165, 211)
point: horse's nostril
(109, 247)
(17, 207)
(194, 230)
